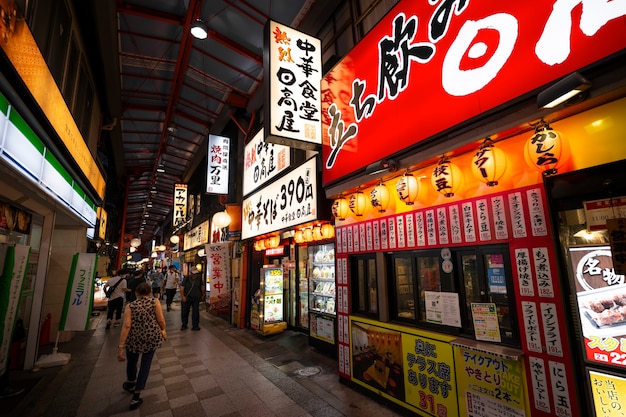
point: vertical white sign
(180, 205)
(217, 165)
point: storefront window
(448, 284)
(363, 274)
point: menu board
(601, 295)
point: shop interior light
(382, 166)
(199, 30)
(135, 242)
(161, 248)
(563, 90)
(175, 239)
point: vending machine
(270, 301)
(322, 297)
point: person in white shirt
(171, 284)
(116, 300)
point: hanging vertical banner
(13, 273)
(217, 165)
(218, 267)
(293, 73)
(79, 293)
(180, 205)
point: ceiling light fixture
(384, 165)
(199, 30)
(562, 90)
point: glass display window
(364, 283)
(322, 296)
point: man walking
(191, 293)
(171, 283)
(116, 299)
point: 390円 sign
(287, 202)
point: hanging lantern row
(312, 234)
(267, 243)
(543, 151)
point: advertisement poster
(489, 385)
(443, 308)
(486, 325)
(609, 393)
(323, 328)
(601, 295)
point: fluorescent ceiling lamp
(562, 90)
(199, 30)
(381, 166)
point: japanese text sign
(293, 73)
(180, 205)
(608, 394)
(262, 162)
(217, 165)
(197, 236)
(287, 202)
(218, 268)
(428, 66)
(489, 385)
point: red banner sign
(428, 66)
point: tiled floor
(217, 371)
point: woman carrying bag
(143, 332)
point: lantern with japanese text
(308, 235)
(543, 150)
(379, 197)
(488, 163)
(358, 203)
(340, 208)
(407, 188)
(328, 231)
(317, 233)
(298, 236)
(447, 177)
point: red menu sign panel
(428, 66)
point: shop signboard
(180, 205)
(218, 269)
(293, 72)
(262, 162)
(218, 153)
(272, 289)
(490, 384)
(601, 295)
(197, 236)
(76, 312)
(608, 393)
(287, 202)
(429, 66)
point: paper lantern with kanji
(407, 189)
(447, 177)
(379, 197)
(358, 203)
(340, 208)
(544, 150)
(489, 163)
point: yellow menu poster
(609, 394)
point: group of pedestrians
(143, 330)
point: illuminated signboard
(180, 205)
(262, 162)
(217, 165)
(293, 72)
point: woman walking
(142, 334)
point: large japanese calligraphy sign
(15, 261)
(217, 165)
(293, 72)
(428, 66)
(180, 205)
(218, 268)
(262, 162)
(79, 293)
(287, 202)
